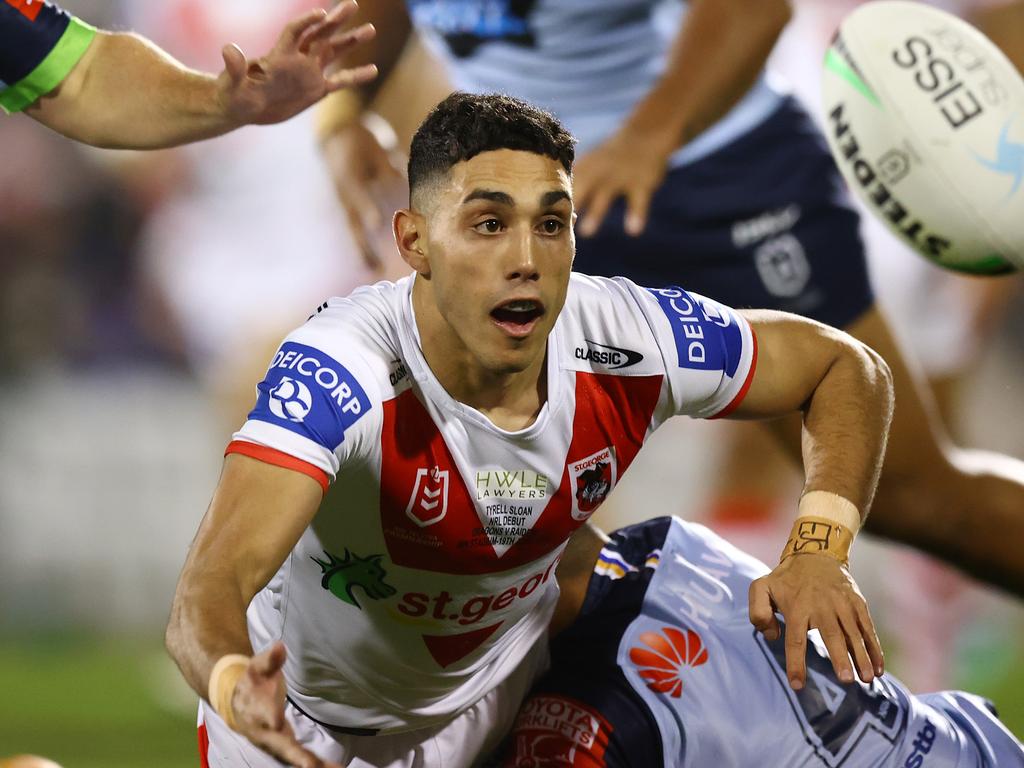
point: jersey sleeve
(307, 407)
(39, 45)
(709, 350)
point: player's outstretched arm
(844, 390)
(127, 93)
(367, 175)
(717, 56)
(258, 513)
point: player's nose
(521, 261)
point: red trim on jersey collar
(746, 384)
(278, 459)
(204, 746)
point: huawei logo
(660, 663)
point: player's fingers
(871, 642)
(762, 612)
(285, 748)
(835, 643)
(796, 650)
(348, 78)
(296, 27)
(638, 203)
(328, 25)
(855, 643)
(596, 210)
(342, 41)
(267, 663)
(234, 62)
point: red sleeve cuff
(278, 459)
(732, 406)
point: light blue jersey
(587, 61)
(663, 668)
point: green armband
(52, 70)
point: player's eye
(488, 226)
(551, 226)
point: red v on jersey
(612, 412)
(28, 8)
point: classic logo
(608, 356)
(593, 479)
(1009, 159)
(661, 662)
(290, 399)
(429, 500)
(343, 574)
(28, 8)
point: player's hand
(815, 591)
(301, 69)
(258, 706)
(369, 179)
(631, 164)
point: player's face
(500, 246)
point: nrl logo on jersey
(428, 503)
(593, 479)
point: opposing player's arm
(718, 54)
(125, 92)
(844, 390)
(257, 515)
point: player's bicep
(793, 355)
(257, 515)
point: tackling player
(118, 90)
(697, 168)
(661, 668)
(420, 452)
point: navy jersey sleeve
(39, 45)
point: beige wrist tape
(339, 110)
(223, 679)
(830, 506)
(826, 525)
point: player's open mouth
(518, 316)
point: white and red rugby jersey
(428, 573)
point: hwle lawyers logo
(311, 394)
(28, 8)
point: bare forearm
(205, 625)
(846, 424)
(716, 58)
(128, 94)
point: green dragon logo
(343, 574)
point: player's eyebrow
(502, 198)
(547, 200)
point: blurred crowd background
(141, 296)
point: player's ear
(409, 228)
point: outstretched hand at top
(301, 69)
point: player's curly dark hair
(465, 124)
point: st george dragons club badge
(592, 480)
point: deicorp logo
(311, 394)
(661, 662)
(28, 8)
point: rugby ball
(925, 118)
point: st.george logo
(593, 479)
(341, 576)
(664, 654)
(291, 400)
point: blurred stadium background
(140, 296)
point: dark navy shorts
(764, 222)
